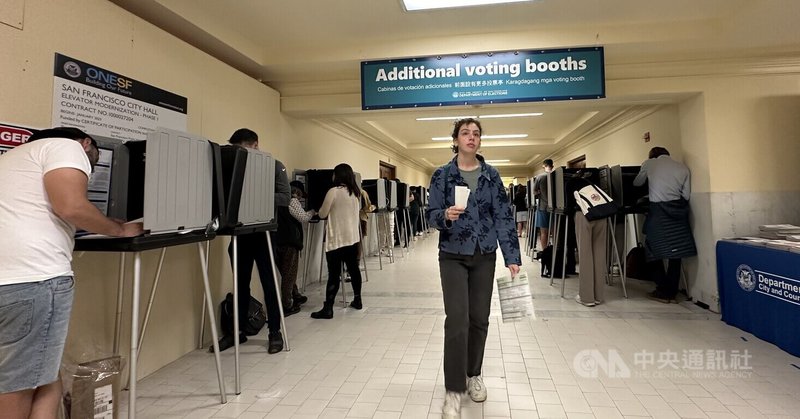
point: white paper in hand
(516, 302)
(462, 195)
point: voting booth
(318, 182)
(166, 180)
(623, 190)
(379, 192)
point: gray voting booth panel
(551, 199)
(392, 195)
(257, 205)
(178, 182)
(376, 189)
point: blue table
(759, 290)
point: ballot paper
(516, 302)
(462, 194)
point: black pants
(349, 256)
(467, 291)
(666, 282)
(414, 220)
(253, 248)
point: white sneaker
(452, 405)
(587, 304)
(476, 389)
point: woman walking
(468, 239)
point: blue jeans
(34, 318)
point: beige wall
(313, 146)
(625, 146)
(221, 100)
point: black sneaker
(291, 310)
(300, 299)
(657, 296)
(275, 343)
(356, 303)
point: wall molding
(358, 136)
(739, 66)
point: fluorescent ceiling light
(412, 5)
(498, 161)
(510, 115)
(446, 118)
(454, 118)
(486, 137)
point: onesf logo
(72, 69)
(746, 277)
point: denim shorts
(34, 318)
(542, 219)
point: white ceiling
(310, 50)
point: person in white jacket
(341, 207)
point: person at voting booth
(413, 210)
(43, 199)
(591, 226)
(253, 249)
(289, 244)
(341, 208)
(470, 227)
(540, 191)
(668, 234)
(521, 208)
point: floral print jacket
(486, 221)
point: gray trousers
(467, 283)
(592, 247)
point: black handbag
(256, 317)
(636, 264)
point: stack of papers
(778, 231)
(781, 244)
(516, 302)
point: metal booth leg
(150, 300)
(612, 227)
(120, 289)
(363, 248)
(342, 271)
(564, 258)
(203, 306)
(557, 219)
(210, 310)
(137, 277)
(237, 378)
(278, 294)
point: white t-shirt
(341, 210)
(35, 244)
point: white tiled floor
(386, 360)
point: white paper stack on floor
(516, 302)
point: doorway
(387, 170)
(577, 163)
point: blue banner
(500, 77)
